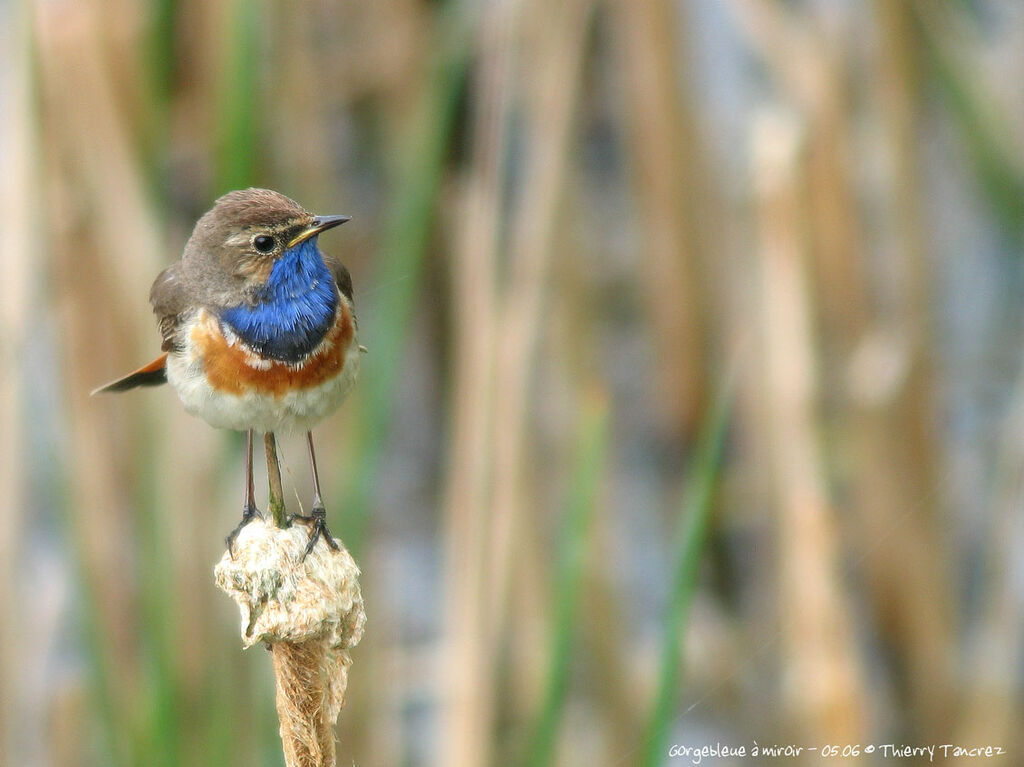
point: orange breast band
(233, 368)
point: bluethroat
(258, 327)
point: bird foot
(318, 519)
(249, 513)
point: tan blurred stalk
(822, 681)
(500, 328)
(670, 182)
(105, 249)
(467, 700)
(893, 419)
(887, 412)
(19, 263)
(808, 71)
(303, 140)
(553, 46)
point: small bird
(258, 327)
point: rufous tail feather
(152, 374)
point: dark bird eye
(264, 243)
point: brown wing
(171, 300)
(341, 276)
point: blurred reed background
(693, 410)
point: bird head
(235, 246)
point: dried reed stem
(103, 245)
(469, 703)
(822, 674)
(668, 176)
(310, 613)
(276, 502)
(554, 47)
(890, 421)
(307, 701)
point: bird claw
(249, 513)
(318, 518)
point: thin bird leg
(318, 502)
(249, 510)
(250, 490)
(318, 512)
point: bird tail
(152, 374)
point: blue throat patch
(294, 310)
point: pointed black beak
(320, 224)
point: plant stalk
(276, 502)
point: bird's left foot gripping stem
(318, 514)
(318, 518)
